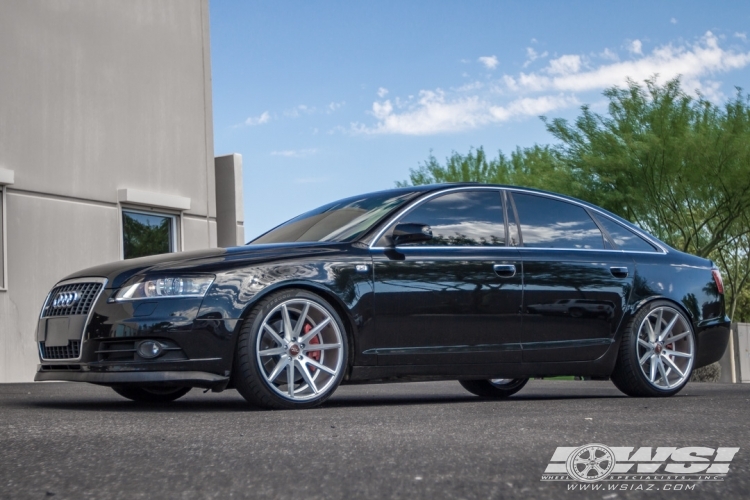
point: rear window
(624, 238)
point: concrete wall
(230, 218)
(96, 96)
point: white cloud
(565, 65)
(532, 55)
(705, 57)
(673, 21)
(433, 113)
(294, 153)
(382, 92)
(332, 107)
(557, 85)
(636, 47)
(608, 54)
(490, 62)
(741, 36)
(264, 117)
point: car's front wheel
(153, 394)
(291, 353)
(657, 352)
(496, 388)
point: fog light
(150, 349)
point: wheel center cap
(658, 348)
(294, 349)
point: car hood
(204, 261)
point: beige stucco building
(105, 110)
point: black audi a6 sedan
(487, 285)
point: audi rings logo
(65, 299)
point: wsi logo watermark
(596, 462)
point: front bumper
(100, 345)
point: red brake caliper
(315, 355)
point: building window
(146, 233)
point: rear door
(457, 298)
(576, 285)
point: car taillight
(717, 279)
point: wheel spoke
(272, 332)
(645, 344)
(276, 351)
(301, 320)
(290, 378)
(657, 330)
(679, 354)
(652, 377)
(675, 338)
(277, 369)
(308, 378)
(650, 331)
(668, 329)
(646, 357)
(287, 322)
(319, 347)
(317, 365)
(662, 371)
(672, 365)
(315, 330)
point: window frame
(4, 237)
(594, 213)
(388, 227)
(174, 215)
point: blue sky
(329, 99)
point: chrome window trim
(103, 281)
(660, 248)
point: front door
(457, 298)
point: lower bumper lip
(186, 378)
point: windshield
(341, 221)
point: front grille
(70, 351)
(87, 291)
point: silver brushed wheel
(657, 352)
(665, 348)
(299, 349)
(292, 351)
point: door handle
(505, 270)
(619, 272)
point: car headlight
(181, 286)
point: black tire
(627, 374)
(153, 394)
(490, 390)
(248, 374)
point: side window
(465, 218)
(624, 238)
(549, 223)
(147, 233)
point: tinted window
(624, 238)
(549, 223)
(343, 220)
(466, 218)
(146, 234)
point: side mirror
(411, 233)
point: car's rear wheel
(496, 388)
(657, 352)
(153, 394)
(291, 353)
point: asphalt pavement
(418, 440)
